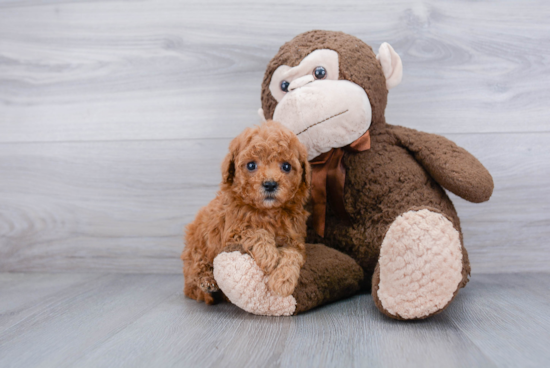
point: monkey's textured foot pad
(327, 276)
(245, 285)
(420, 266)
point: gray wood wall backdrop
(115, 116)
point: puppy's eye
(251, 166)
(320, 73)
(284, 86)
(286, 167)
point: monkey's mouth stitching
(322, 121)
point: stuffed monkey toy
(380, 218)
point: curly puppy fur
(269, 225)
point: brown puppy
(265, 184)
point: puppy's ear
(228, 169)
(306, 171)
(306, 175)
(228, 164)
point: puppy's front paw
(283, 280)
(208, 284)
(266, 257)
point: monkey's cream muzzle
(325, 114)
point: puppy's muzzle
(270, 186)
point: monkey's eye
(320, 72)
(284, 86)
(251, 166)
(286, 167)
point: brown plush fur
(328, 275)
(405, 169)
(271, 227)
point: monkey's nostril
(270, 186)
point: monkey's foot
(420, 268)
(245, 285)
(326, 276)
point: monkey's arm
(451, 166)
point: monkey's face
(323, 111)
(329, 88)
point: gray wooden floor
(138, 320)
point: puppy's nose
(270, 186)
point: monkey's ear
(391, 65)
(261, 114)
